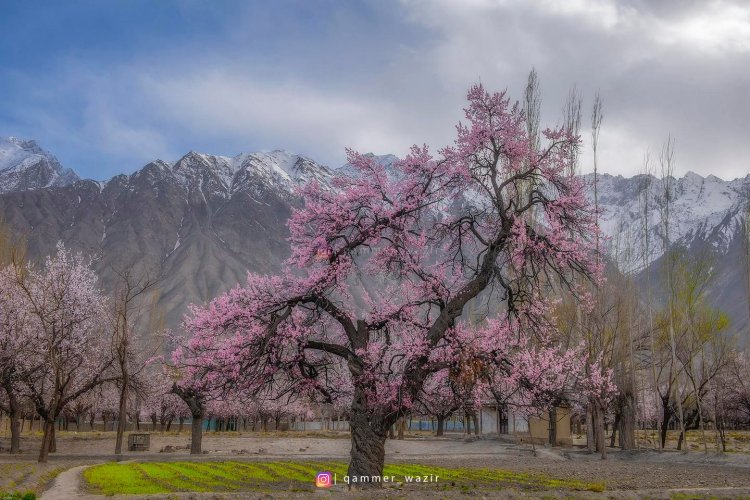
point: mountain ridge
(205, 220)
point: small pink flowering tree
(13, 347)
(443, 394)
(67, 350)
(530, 374)
(383, 266)
(527, 367)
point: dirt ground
(624, 473)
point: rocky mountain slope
(24, 165)
(704, 210)
(707, 219)
(204, 220)
(201, 222)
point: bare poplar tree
(532, 107)
(645, 212)
(531, 112)
(572, 114)
(666, 160)
(127, 309)
(572, 123)
(596, 345)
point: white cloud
(292, 115)
(660, 68)
(719, 28)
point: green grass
(173, 477)
(17, 496)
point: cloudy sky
(109, 86)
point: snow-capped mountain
(204, 220)
(704, 210)
(224, 176)
(24, 165)
(707, 217)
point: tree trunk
(475, 418)
(14, 413)
(196, 403)
(53, 440)
(400, 426)
(590, 443)
(666, 417)
(196, 435)
(615, 428)
(15, 433)
(47, 439)
(440, 425)
(122, 414)
(553, 426)
(368, 448)
(627, 423)
(601, 443)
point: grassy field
(172, 477)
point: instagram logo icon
(324, 480)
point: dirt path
(67, 485)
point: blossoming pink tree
(528, 373)
(384, 264)
(527, 368)
(67, 350)
(442, 395)
(12, 347)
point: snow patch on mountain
(24, 165)
(248, 172)
(703, 210)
